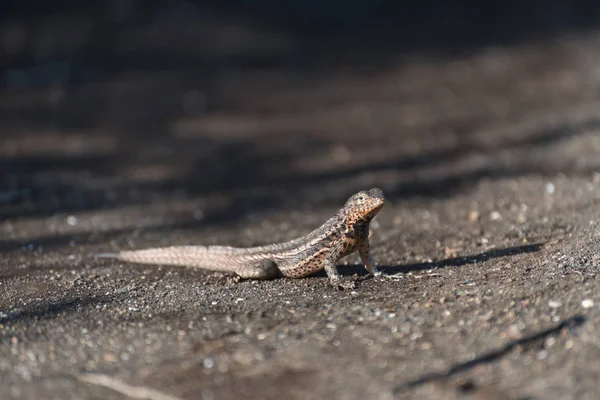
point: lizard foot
(229, 279)
(343, 284)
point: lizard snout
(376, 193)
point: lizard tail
(214, 258)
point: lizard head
(364, 205)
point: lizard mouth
(378, 205)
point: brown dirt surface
(489, 158)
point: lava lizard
(344, 233)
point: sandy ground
(490, 161)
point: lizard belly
(305, 266)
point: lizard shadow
(358, 269)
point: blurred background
(231, 108)
(132, 124)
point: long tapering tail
(215, 258)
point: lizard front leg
(367, 260)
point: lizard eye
(361, 197)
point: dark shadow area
(260, 179)
(42, 243)
(50, 310)
(39, 186)
(445, 156)
(360, 270)
(364, 33)
(494, 355)
(460, 261)
(488, 392)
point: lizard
(343, 234)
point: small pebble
(208, 362)
(487, 316)
(587, 303)
(554, 304)
(473, 215)
(495, 216)
(550, 188)
(72, 220)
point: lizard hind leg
(263, 269)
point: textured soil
(489, 159)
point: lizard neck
(354, 220)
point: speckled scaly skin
(344, 233)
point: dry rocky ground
(490, 161)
